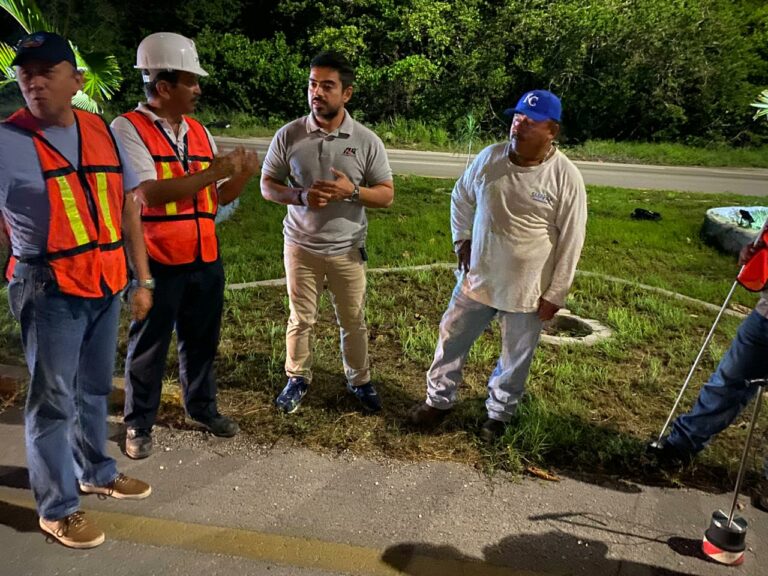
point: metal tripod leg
(742, 466)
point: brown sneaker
(122, 488)
(73, 531)
(425, 416)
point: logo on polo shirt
(350, 152)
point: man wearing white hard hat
(176, 160)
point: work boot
(218, 425)
(667, 456)
(367, 395)
(760, 497)
(73, 531)
(290, 398)
(122, 488)
(138, 443)
(492, 430)
(426, 417)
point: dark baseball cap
(45, 46)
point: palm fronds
(102, 76)
(7, 74)
(27, 14)
(762, 105)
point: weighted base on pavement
(725, 543)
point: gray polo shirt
(301, 153)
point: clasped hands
(322, 192)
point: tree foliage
(263, 77)
(683, 70)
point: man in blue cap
(518, 220)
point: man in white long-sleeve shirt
(518, 219)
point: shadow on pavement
(604, 524)
(683, 546)
(688, 547)
(549, 553)
(19, 518)
(14, 477)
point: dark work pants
(192, 302)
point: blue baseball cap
(538, 105)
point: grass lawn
(669, 154)
(587, 409)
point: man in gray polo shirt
(327, 168)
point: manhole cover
(567, 328)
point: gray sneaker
(138, 443)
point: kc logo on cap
(538, 105)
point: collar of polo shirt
(345, 128)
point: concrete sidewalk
(234, 507)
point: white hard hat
(167, 51)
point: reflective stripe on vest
(184, 231)
(85, 246)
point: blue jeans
(725, 395)
(70, 345)
(463, 322)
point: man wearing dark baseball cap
(44, 46)
(518, 219)
(66, 198)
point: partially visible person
(726, 393)
(67, 200)
(518, 220)
(176, 161)
(5, 244)
(327, 168)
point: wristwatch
(149, 284)
(355, 194)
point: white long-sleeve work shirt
(527, 227)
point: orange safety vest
(184, 231)
(10, 262)
(85, 240)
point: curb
(13, 379)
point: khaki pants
(305, 274)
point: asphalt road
(230, 507)
(746, 181)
